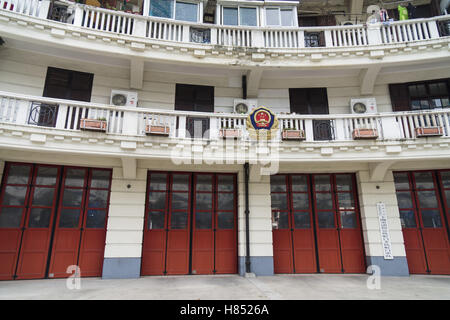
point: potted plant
(364, 133)
(429, 131)
(158, 130)
(99, 124)
(293, 134)
(230, 133)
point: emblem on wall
(262, 124)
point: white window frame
(291, 9)
(239, 14)
(199, 10)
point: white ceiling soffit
(66, 54)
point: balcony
(53, 125)
(141, 32)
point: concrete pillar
(261, 249)
(369, 194)
(123, 248)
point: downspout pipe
(247, 219)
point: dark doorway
(313, 101)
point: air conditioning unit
(363, 105)
(124, 98)
(244, 106)
(347, 23)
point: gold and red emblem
(262, 123)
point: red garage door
(316, 225)
(52, 217)
(190, 224)
(421, 197)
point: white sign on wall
(384, 230)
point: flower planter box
(360, 134)
(230, 133)
(429, 132)
(157, 130)
(93, 124)
(293, 135)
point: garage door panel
(322, 230)
(423, 220)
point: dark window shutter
(68, 84)
(399, 97)
(194, 98)
(298, 99)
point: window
(243, 16)
(180, 10)
(279, 17)
(68, 84)
(420, 95)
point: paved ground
(233, 288)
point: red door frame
(178, 240)
(427, 249)
(154, 240)
(34, 252)
(207, 251)
(11, 238)
(336, 249)
(93, 238)
(203, 240)
(38, 247)
(225, 244)
(67, 240)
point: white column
(374, 33)
(123, 248)
(370, 193)
(43, 9)
(261, 248)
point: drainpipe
(247, 224)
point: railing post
(61, 118)
(43, 9)
(130, 123)
(78, 16)
(23, 111)
(339, 129)
(301, 38)
(213, 36)
(391, 128)
(181, 127)
(257, 38)
(139, 27)
(186, 33)
(309, 130)
(374, 34)
(434, 30)
(213, 128)
(328, 39)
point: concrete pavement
(233, 287)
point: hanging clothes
(384, 15)
(411, 11)
(402, 13)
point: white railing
(38, 111)
(349, 36)
(235, 36)
(27, 7)
(289, 38)
(406, 31)
(106, 20)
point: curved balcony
(257, 43)
(55, 125)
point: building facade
(135, 143)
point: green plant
(101, 119)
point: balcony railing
(66, 115)
(236, 36)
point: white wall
(25, 72)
